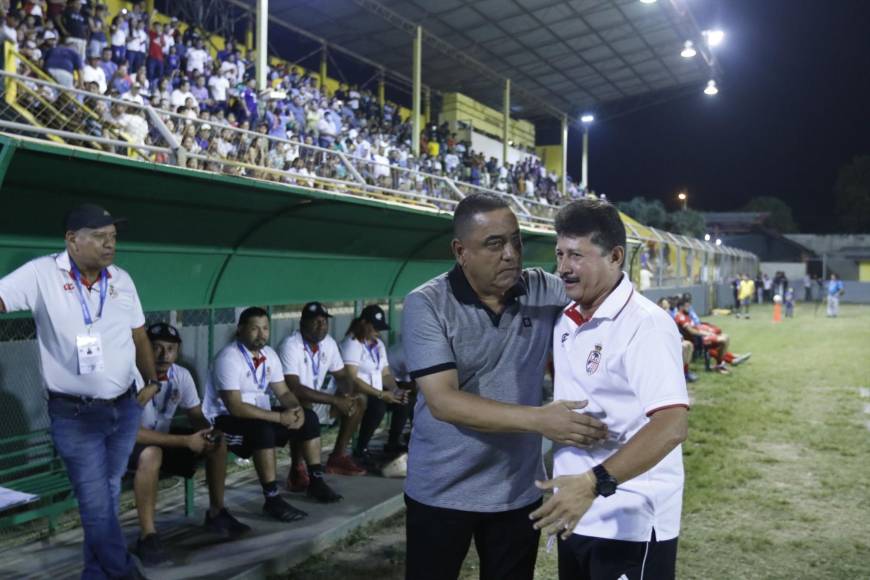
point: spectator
(120, 31)
(197, 58)
(63, 62)
(180, 95)
(200, 94)
(219, 84)
(836, 289)
(156, 43)
(137, 44)
(122, 82)
(93, 73)
(243, 375)
(107, 64)
(97, 28)
(160, 448)
(746, 293)
(74, 26)
(134, 96)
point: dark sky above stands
(793, 106)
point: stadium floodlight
(711, 89)
(714, 37)
(706, 237)
(647, 1)
(587, 118)
(718, 241)
(688, 50)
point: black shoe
(281, 510)
(150, 550)
(225, 525)
(395, 448)
(320, 491)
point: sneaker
(722, 369)
(343, 465)
(320, 491)
(297, 478)
(741, 359)
(691, 377)
(225, 525)
(281, 510)
(151, 551)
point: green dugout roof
(197, 239)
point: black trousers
(588, 558)
(375, 411)
(438, 541)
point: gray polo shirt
(500, 357)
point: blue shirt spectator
(835, 287)
(63, 58)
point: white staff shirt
(301, 360)
(369, 360)
(46, 287)
(178, 390)
(626, 361)
(230, 372)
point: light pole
(684, 200)
(587, 120)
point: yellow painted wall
(551, 155)
(864, 271)
(458, 107)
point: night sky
(793, 106)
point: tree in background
(648, 212)
(687, 222)
(780, 217)
(852, 194)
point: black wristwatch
(605, 484)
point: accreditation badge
(90, 353)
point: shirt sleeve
(291, 359)
(654, 367)
(226, 374)
(19, 289)
(138, 316)
(351, 352)
(385, 362)
(427, 349)
(189, 396)
(335, 362)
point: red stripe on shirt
(667, 407)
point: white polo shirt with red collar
(626, 361)
(370, 360)
(46, 287)
(236, 369)
(311, 365)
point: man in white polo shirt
(244, 375)
(307, 356)
(92, 340)
(160, 448)
(617, 505)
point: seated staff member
(365, 357)
(717, 344)
(687, 346)
(160, 449)
(307, 356)
(91, 332)
(617, 505)
(238, 403)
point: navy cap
(89, 216)
(165, 332)
(313, 309)
(375, 314)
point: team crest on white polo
(593, 360)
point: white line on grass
(864, 392)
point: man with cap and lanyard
(308, 356)
(93, 349)
(176, 451)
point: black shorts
(588, 558)
(179, 461)
(244, 436)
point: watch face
(606, 487)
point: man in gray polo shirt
(477, 341)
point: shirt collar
(612, 306)
(465, 294)
(64, 263)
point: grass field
(777, 470)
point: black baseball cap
(89, 215)
(375, 314)
(313, 309)
(165, 332)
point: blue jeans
(95, 442)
